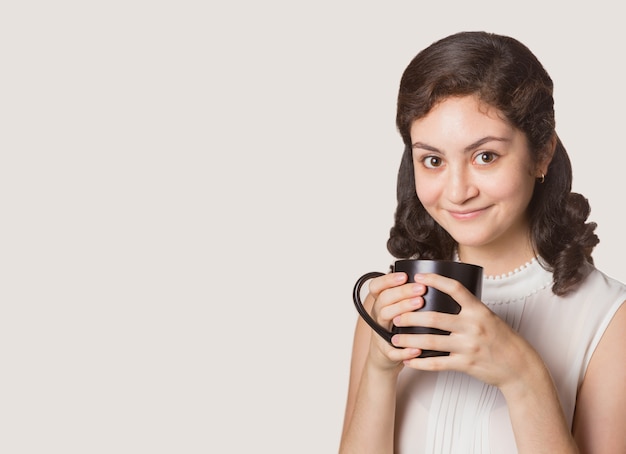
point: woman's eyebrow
(485, 140)
(472, 146)
(423, 146)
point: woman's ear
(546, 156)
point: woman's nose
(460, 186)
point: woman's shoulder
(600, 283)
(599, 296)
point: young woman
(537, 366)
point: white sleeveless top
(453, 413)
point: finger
(403, 354)
(452, 287)
(391, 289)
(429, 319)
(386, 281)
(431, 363)
(435, 342)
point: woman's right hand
(390, 296)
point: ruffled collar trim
(515, 285)
(518, 284)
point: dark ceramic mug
(471, 276)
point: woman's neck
(497, 262)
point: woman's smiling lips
(466, 215)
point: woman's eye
(485, 157)
(432, 162)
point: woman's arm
(370, 409)
(536, 414)
(601, 403)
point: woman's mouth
(466, 214)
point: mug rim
(439, 261)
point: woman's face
(474, 174)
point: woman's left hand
(480, 343)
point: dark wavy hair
(505, 74)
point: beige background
(189, 190)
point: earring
(542, 178)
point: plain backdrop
(189, 190)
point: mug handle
(356, 297)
